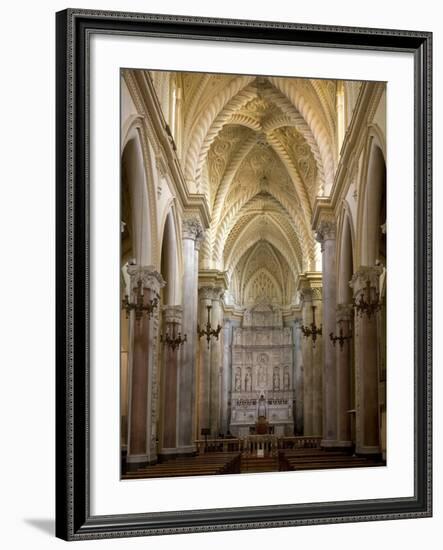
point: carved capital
(363, 275)
(317, 293)
(192, 229)
(326, 230)
(198, 241)
(210, 292)
(173, 314)
(150, 278)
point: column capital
(150, 277)
(317, 293)
(364, 274)
(326, 229)
(192, 229)
(323, 219)
(173, 314)
(310, 286)
(210, 292)
(198, 240)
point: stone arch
(144, 184)
(169, 262)
(262, 287)
(372, 195)
(133, 179)
(345, 261)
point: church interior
(253, 274)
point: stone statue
(286, 379)
(262, 376)
(262, 360)
(237, 380)
(262, 406)
(248, 380)
(276, 379)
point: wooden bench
(306, 459)
(213, 464)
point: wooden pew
(214, 463)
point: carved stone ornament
(192, 229)
(363, 275)
(210, 292)
(326, 230)
(317, 292)
(173, 314)
(151, 279)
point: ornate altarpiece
(262, 373)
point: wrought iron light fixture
(369, 307)
(312, 330)
(341, 339)
(174, 341)
(139, 306)
(209, 331)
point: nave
(253, 273)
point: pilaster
(143, 399)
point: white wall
(27, 230)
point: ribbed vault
(261, 149)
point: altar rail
(251, 444)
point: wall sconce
(138, 306)
(369, 307)
(341, 339)
(312, 330)
(209, 331)
(175, 340)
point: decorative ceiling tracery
(261, 149)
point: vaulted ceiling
(261, 149)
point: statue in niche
(248, 380)
(262, 361)
(262, 406)
(286, 379)
(237, 380)
(276, 379)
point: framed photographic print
(243, 274)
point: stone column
(326, 237)
(343, 362)
(204, 381)
(226, 375)
(306, 348)
(192, 234)
(317, 365)
(298, 378)
(216, 362)
(171, 358)
(142, 445)
(366, 368)
(210, 362)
